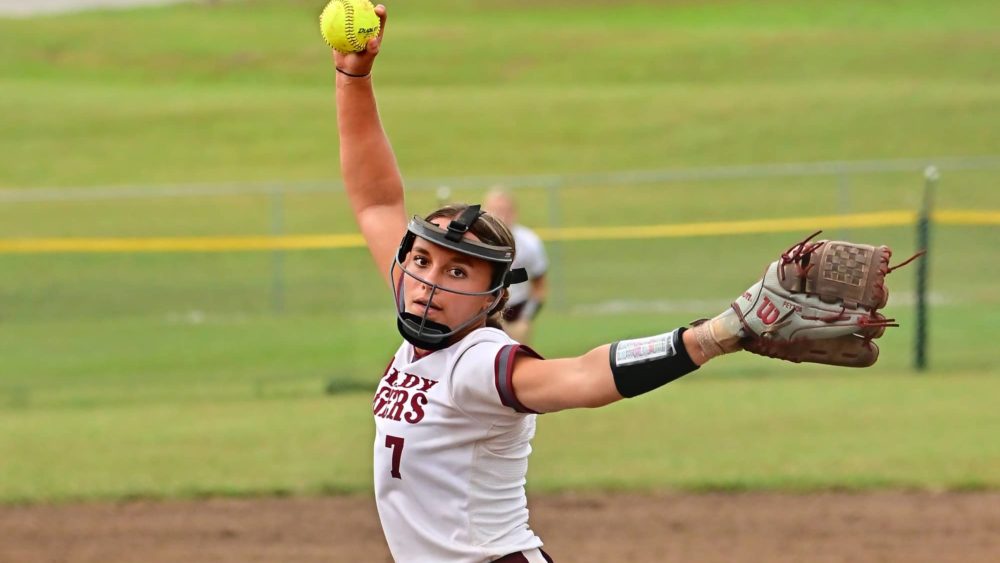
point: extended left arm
(819, 302)
(601, 377)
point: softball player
(455, 409)
(526, 299)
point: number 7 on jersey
(396, 443)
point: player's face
(448, 270)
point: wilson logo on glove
(768, 312)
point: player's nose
(437, 277)
(427, 281)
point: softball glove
(820, 302)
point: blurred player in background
(526, 299)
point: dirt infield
(911, 527)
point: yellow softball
(347, 25)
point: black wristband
(642, 365)
(345, 73)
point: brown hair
(490, 230)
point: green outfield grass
(174, 374)
(800, 433)
(244, 91)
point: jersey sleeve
(481, 382)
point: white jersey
(530, 255)
(451, 452)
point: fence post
(931, 177)
(277, 255)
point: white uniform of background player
(526, 299)
(530, 256)
(451, 453)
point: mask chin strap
(426, 335)
(418, 329)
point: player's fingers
(381, 13)
(373, 45)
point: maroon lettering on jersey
(427, 384)
(410, 381)
(399, 398)
(381, 398)
(402, 396)
(416, 413)
(390, 380)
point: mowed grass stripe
(305, 242)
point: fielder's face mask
(418, 329)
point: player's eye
(420, 261)
(457, 273)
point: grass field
(243, 91)
(171, 374)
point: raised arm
(371, 176)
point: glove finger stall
(841, 272)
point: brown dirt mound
(889, 526)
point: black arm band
(647, 363)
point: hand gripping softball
(819, 302)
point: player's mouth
(420, 306)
